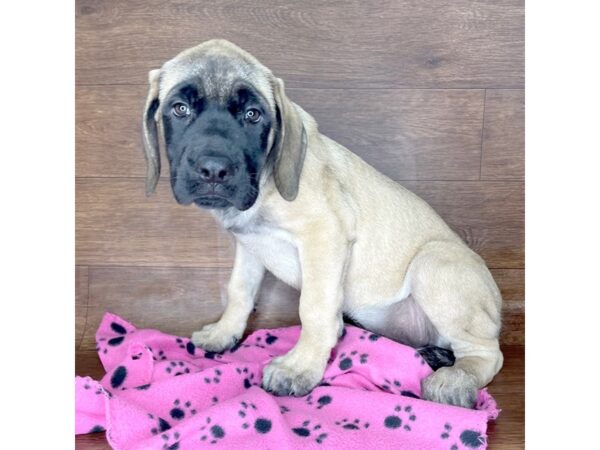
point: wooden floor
(430, 93)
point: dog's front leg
(243, 285)
(323, 257)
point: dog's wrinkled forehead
(217, 65)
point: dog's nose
(214, 169)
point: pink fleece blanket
(160, 392)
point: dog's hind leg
(458, 294)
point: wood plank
(512, 285)
(118, 225)
(182, 300)
(489, 216)
(504, 135)
(508, 388)
(408, 134)
(394, 43)
(179, 301)
(81, 302)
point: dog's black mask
(216, 147)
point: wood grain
(118, 225)
(392, 43)
(81, 302)
(180, 301)
(489, 216)
(504, 135)
(506, 433)
(408, 134)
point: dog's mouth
(212, 200)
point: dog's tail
(436, 357)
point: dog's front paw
(452, 386)
(213, 338)
(284, 377)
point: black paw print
(120, 330)
(177, 368)
(214, 432)
(249, 377)
(262, 425)
(307, 431)
(178, 411)
(469, 438)
(258, 342)
(169, 444)
(346, 361)
(322, 401)
(284, 409)
(366, 335)
(447, 431)
(395, 421)
(215, 379)
(188, 346)
(243, 412)
(391, 386)
(160, 357)
(118, 377)
(161, 425)
(270, 339)
(354, 425)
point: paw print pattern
(284, 409)
(161, 425)
(391, 386)
(168, 441)
(120, 333)
(469, 438)
(188, 346)
(346, 361)
(262, 425)
(177, 368)
(215, 379)
(395, 421)
(179, 410)
(212, 432)
(366, 335)
(270, 339)
(447, 430)
(308, 431)
(248, 377)
(472, 439)
(243, 412)
(322, 401)
(354, 425)
(160, 357)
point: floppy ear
(289, 146)
(151, 135)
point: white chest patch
(277, 251)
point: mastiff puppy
(320, 219)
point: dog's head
(224, 122)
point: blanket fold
(161, 392)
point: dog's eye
(181, 110)
(252, 115)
